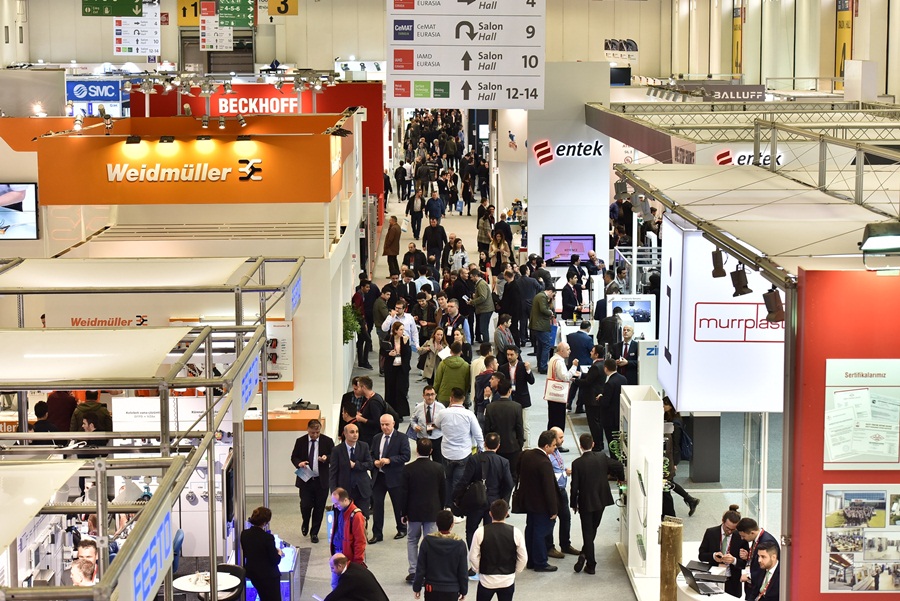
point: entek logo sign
(726, 157)
(735, 322)
(545, 152)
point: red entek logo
(404, 4)
(724, 158)
(543, 152)
(404, 60)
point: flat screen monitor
(558, 249)
(18, 211)
(640, 310)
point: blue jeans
(414, 532)
(543, 343)
(415, 221)
(537, 527)
(453, 471)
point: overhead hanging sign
(138, 35)
(111, 8)
(213, 36)
(466, 54)
(236, 13)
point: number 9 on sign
(282, 8)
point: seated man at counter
(721, 546)
(82, 573)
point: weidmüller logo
(735, 322)
(545, 152)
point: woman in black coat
(396, 351)
(261, 556)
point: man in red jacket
(348, 536)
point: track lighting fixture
(79, 122)
(739, 281)
(221, 122)
(621, 187)
(241, 120)
(204, 122)
(187, 109)
(774, 305)
(718, 264)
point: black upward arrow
(466, 88)
(471, 33)
(466, 59)
(184, 11)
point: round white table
(195, 583)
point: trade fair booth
(157, 466)
(77, 293)
(802, 349)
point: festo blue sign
(93, 91)
(148, 567)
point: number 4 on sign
(282, 8)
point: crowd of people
(857, 513)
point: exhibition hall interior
(391, 299)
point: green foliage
(352, 323)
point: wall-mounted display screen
(18, 211)
(558, 249)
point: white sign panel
(728, 356)
(862, 414)
(670, 308)
(213, 37)
(466, 54)
(138, 35)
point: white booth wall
(569, 194)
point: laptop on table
(701, 587)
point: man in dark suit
(581, 277)
(520, 377)
(590, 386)
(390, 449)
(580, 345)
(503, 416)
(766, 589)
(511, 304)
(312, 451)
(610, 399)
(354, 582)
(608, 331)
(570, 306)
(349, 468)
(591, 495)
(495, 472)
(540, 499)
(754, 536)
(422, 496)
(626, 355)
(722, 547)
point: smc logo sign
(735, 322)
(545, 152)
(93, 92)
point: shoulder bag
(555, 391)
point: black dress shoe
(546, 568)
(366, 366)
(314, 538)
(399, 535)
(304, 529)
(590, 569)
(563, 450)
(579, 565)
(570, 550)
(411, 577)
(375, 539)
(692, 503)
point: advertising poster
(861, 542)
(843, 39)
(862, 414)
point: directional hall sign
(466, 53)
(112, 8)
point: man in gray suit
(390, 449)
(591, 495)
(349, 468)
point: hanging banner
(138, 35)
(843, 39)
(737, 31)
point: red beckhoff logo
(402, 89)
(404, 4)
(543, 153)
(735, 322)
(404, 60)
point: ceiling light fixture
(221, 122)
(880, 246)
(739, 281)
(79, 122)
(133, 140)
(774, 305)
(187, 109)
(202, 138)
(718, 264)
(241, 120)
(204, 122)
(166, 139)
